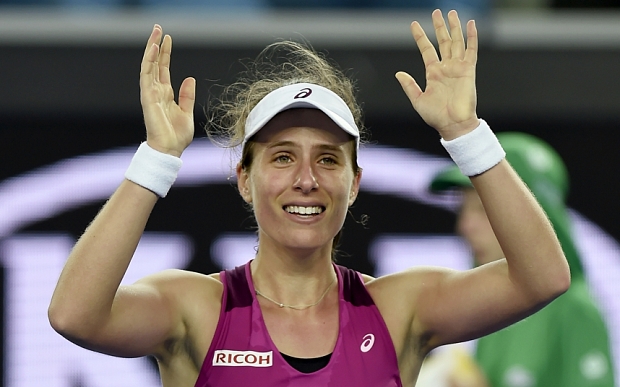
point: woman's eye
(283, 159)
(328, 161)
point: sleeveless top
(243, 354)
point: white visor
(301, 95)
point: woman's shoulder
(194, 301)
(177, 284)
(176, 275)
(416, 277)
(366, 278)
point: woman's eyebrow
(330, 147)
(288, 143)
(284, 143)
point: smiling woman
(291, 147)
(318, 163)
(312, 323)
(287, 75)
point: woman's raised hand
(448, 103)
(169, 126)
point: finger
(429, 55)
(164, 60)
(148, 66)
(458, 42)
(153, 39)
(187, 95)
(471, 53)
(409, 85)
(443, 37)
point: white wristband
(477, 151)
(153, 170)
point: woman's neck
(292, 281)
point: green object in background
(544, 172)
(566, 344)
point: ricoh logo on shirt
(225, 357)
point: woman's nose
(306, 179)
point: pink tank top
(242, 353)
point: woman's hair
(279, 64)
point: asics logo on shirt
(224, 357)
(367, 343)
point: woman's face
(301, 181)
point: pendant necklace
(296, 307)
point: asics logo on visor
(303, 93)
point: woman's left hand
(448, 103)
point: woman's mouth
(303, 210)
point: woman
(290, 317)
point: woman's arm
(449, 306)
(87, 306)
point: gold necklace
(296, 307)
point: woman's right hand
(169, 126)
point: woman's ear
(243, 184)
(352, 197)
(355, 187)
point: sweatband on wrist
(477, 151)
(153, 170)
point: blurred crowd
(478, 5)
